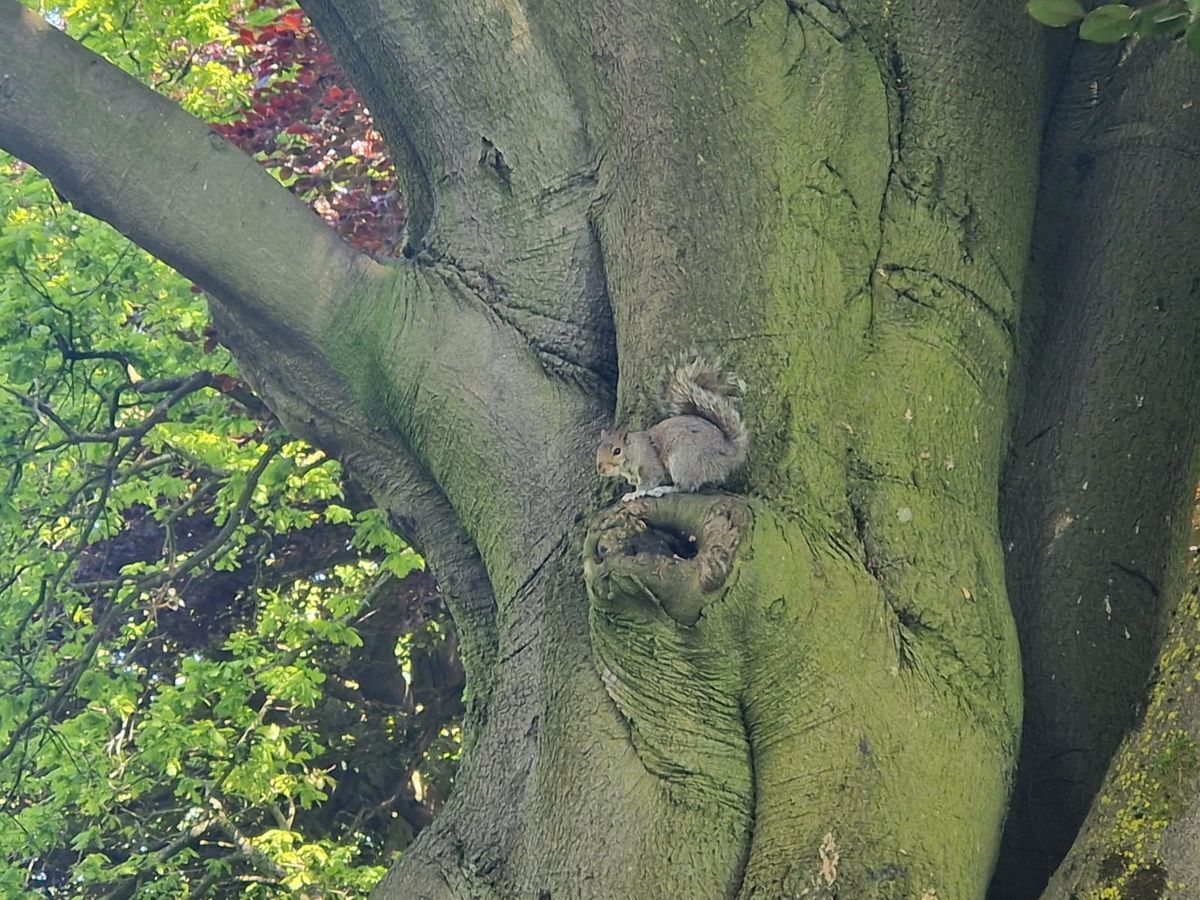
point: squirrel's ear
(604, 435)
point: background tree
(210, 636)
(815, 690)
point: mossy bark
(1141, 840)
(770, 691)
(809, 687)
(796, 189)
(1098, 486)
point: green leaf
(338, 515)
(31, 185)
(1192, 37)
(1055, 13)
(86, 839)
(1159, 19)
(1108, 24)
(93, 685)
(153, 725)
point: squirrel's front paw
(661, 490)
(651, 492)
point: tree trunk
(1142, 835)
(839, 712)
(807, 688)
(1104, 458)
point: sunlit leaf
(1055, 13)
(1107, 24)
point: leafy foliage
(222, 672)
(1056, 13)
(308, 126)
(180, 49)
(1113, 22)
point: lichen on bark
(1140, 839)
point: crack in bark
(1004, 322)
(891, 70)
(745, 12)
(841, 193)
(961, 358)
(860, 530)
(1041, 434)
(911, 297)
(907, 630)
(830, 14)
(519, 648)
(491, 157)
(486, 289)
(907, 627)
(539, 567)
(743, 863)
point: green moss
(793, 664)
(1152, 782)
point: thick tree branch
(131, 157)
(279, 278)
(261, 296)
(134, 159)
(1104, 454)
(486, 127)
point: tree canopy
(223, 671)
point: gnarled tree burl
(811, 688)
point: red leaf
(293, 19)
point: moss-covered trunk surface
(1141, 839)
(797, 189)
(809, 685)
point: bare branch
(260, 860)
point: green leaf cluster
(184, 587)
(1113, 22)
(178, 48)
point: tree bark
(744, 206)
(1141, 836)
(807, 688)
(1099, 483)
(132, 158)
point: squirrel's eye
(616, 451)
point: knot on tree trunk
(666, 649)
(672, 553)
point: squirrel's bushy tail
(695, 386)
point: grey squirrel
(702, 440)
